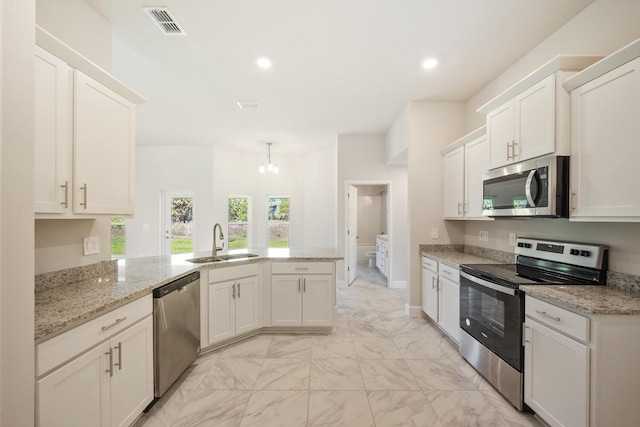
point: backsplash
(54, 279)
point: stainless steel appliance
(176, 334)
(538, 187)
(492, 305)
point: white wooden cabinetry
(605, 146)
(441, 296)
(302, 294)
(230, 303)
(84, 136)
(465, 161)
(382, 255)
(579, 370)
(100, 373)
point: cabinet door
(501, 135)
(77, 394)
(454, 183)
(132, 381)
(247, 305)
(476, 163)
(605, 146)
(556, 382)
(222, 311)
(317, 300)
(535, 120)
(450, 307)
(430, 294)
(286, 300)
(104, 144)
(52, 133)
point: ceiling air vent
(248, 105)
(163, 19)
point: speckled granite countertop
(62, 306)
(588, 300)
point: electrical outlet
(91, 245)
(512, 239)
(434, 233)
(484, 236)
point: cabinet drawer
(450, 273)
(429, 264)
(571, 324)
(302, 268)
(57, 350)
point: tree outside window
(238, 233)
(118, 238)
(278, 222)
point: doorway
(367, 220)
(178, 222)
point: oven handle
(487, 284)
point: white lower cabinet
(441, 296)
(302, 299)
(108, 385)
(231, 305)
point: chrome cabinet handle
(299, 281)
(238, 290)
(304, 284)
(524, 334)
(233, 295)
(508, 147)
(459, 208)
(548, 316)
(119, 364)
(573, 201)
(301, 268)
(84, 192)
(110, 369)
(513, 150)
(104, 328)
(66, 194)
(433, 283)
(465, 207)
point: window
(238, 232)
(182, 224)
(118, 238)
(278, 222)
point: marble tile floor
(379, 368)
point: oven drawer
(569, 323)
(430, 264)
(450, 273)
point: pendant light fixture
(269, 167)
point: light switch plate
(512, 239)
(434, 233)
(91, 245)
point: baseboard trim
(399, 284)
(413, 311)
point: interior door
(178, 234)
(353, 233)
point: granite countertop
(588, 300)
(68, 303)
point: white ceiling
(339, 66)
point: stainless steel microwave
(533, 188)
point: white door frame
(165, 217)
(345, 242)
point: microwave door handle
(527, 188)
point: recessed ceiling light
(430, 63)
(264, 63)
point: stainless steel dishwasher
(176, 333)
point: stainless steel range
(492, 305)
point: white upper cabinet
(531, 118)
(84, 136)
(605, 141)
(465, 161)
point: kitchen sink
(219, 258)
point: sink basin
(219, 258)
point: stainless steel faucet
(215, 249)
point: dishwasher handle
(176, 285)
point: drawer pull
(446, 272)
(119, 364)
(548, 316)
(104, 328)
(110, 369)
(302, 268)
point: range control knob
(527, 245)
(585, 253)
(520, 245)
(574, 252)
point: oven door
(493, 315)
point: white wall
(361, 159)
(600, 29)
(79, 25)
(433, 126)
(321, 204)
(396, 147)
(17, 39)
(59, 244)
